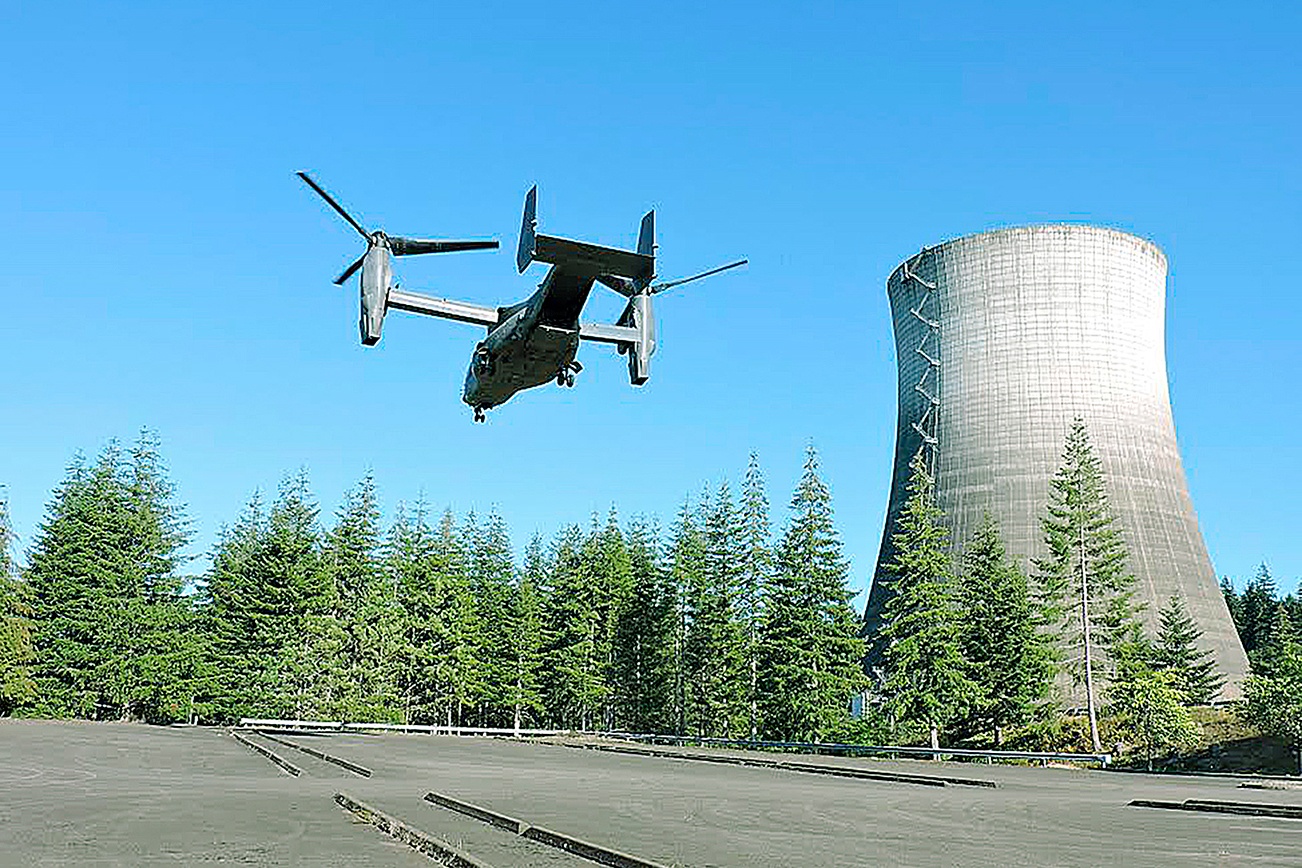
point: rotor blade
(335, 205)
(348, 272)
(661, 287)
(417, 246)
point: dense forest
(714, 626)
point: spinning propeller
(396, 245)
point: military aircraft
(536, 340)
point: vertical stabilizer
(646, 236)
(524, 254)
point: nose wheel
(479, 414)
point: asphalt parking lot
(120, 794)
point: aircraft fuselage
(533, 342)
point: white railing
(1103, 759)
(345, 726)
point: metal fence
(889, 751)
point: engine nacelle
(639, 315)
(376, 279)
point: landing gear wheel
(479, 414)
(560, 378)
(569, 378)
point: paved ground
(103, 794)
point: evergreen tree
(926, 673)
(1258, 603)
(1084, 575)
(241, 619)
(462, 670)
(493, 588)
(1193, 670)
(645, 639)
(109, 622)
(754, 574)
(686, 578)
(1010, 661)
(16, 685)
(711, 651)
(166, 654)
(357, 622)
(422, 592)
(526, 631)
(1234, 603)
(576, 689)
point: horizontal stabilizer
(592, 257)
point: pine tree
(810, 648)
(926, 672)
(16, 684)
(1234, 603)
(1084, 577)
(1011, 663)
(711, 651)
(686, 578)
(645, 662)
(240, 619)
(165, 652)
(1259, 601)
(461, 668)
(358, 614)
(1193, 670)
(525, 629)
(421, 592)
(492, 585)
(753, 578)
(576, 686)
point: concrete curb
(501, 821)
(422, 842)
(285, 765)
(584, 849)
(807, 768)
(1250, 809)
(322, 755)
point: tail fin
(646, 236)
(524, 254)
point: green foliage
(1149, 710)
(646, 660)
(926, 673)
(1083, 583)
(1273, 702)
(811, 653)
(108, 614)
(16, 684)
(712, 644)
(1193, 669)
(1011, 661)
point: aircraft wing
(460, 311)
(607, 334)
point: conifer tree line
(719, 625)
(974, 647)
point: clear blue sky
(164, 268)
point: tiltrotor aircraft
(534, 341)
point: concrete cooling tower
(1002, 339)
